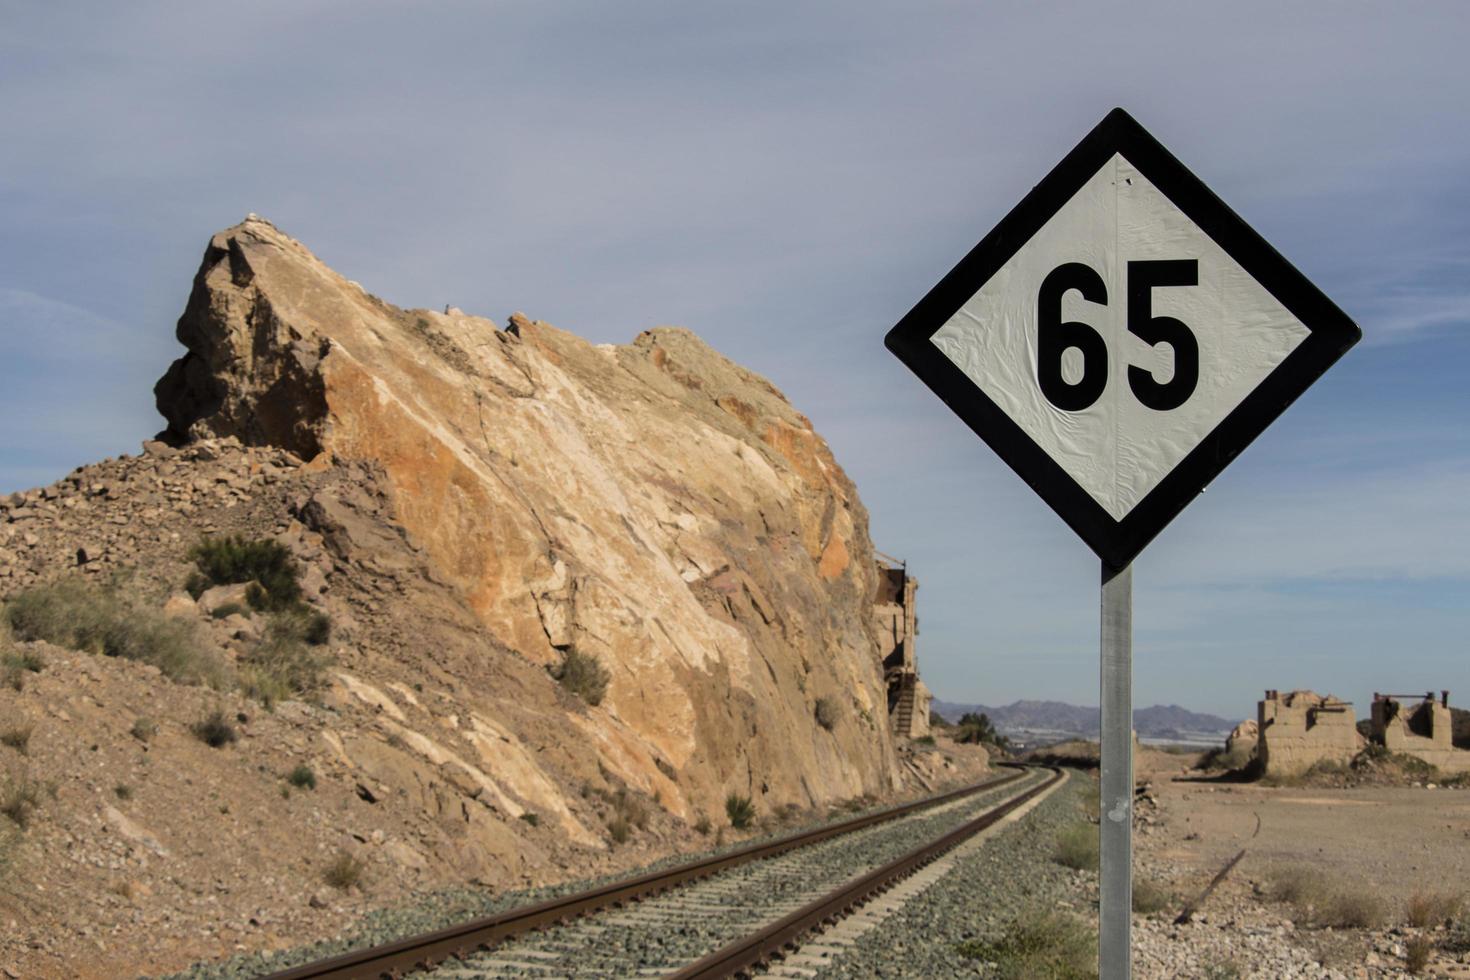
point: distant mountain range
(1158, 721)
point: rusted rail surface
(425, 951)
(741, 956)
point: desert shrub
(1425, 910)
(27, 660)
(702, 826)
(302, 777)
(1416, 954)
(1149, 896)
(630, 809)
(583, 675)
(1297, 885)
(826, 712)
(101, 620)
(1222, 759)
(343, 872)
(17, 737)
(143, 729)
(936, 720)
(620, 829)
(283, 664)
(924, 740)
(234, 559)
(1322, 901)
(1077, 847)
(214, 730)
(740, 810)
(1044, 945)
(19, 799)
(531, 818)
(123, 791)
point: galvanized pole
(1115, 892)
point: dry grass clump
(1077, 846)
(1320, 900)
(143, 728)
(102, 620)
(1044, 945)
(1150, 897)
(285, 663)
(16, 664)
(1416, 954)
(344, 872)
(18, 737)
(19, 800)
(1425, 910)
(583, 675)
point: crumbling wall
(1423, 730)
(1299, 729)
(895, 624)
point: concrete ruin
(897, 625)
(1301, 728)
(1422, 730)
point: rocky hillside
(470, 513)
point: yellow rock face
(653, 505)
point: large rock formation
(653, 505)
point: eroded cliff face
(652, 504)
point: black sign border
(1331, 334)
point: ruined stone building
(897, 625)
(1301, 728)
(1422, 730)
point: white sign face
(1120, 337)
(1114, 410)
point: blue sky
(786, 180)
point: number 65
(1055, 335)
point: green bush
(15, 664)
(1077, 846)
(214, 730)
(234, 560)
(978, 730)
(826, 713)
(740, 810)
(1039, 946)
(302, 777)
(533, 819)
(101, 620)
(583, 675)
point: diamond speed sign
(1120, 337)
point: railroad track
(720, 916)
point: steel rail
(742, 955)
(425, 951)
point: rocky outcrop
(653, 505)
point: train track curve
(717, 916)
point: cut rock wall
(651, 504)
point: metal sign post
(1115, 888)
(1118, 339)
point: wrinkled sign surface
(1120, 337)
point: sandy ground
(1390, 842)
